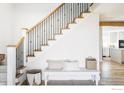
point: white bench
(72, 75)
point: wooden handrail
(18, 44)
(46, 17)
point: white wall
(5, 26)
(14, 17)
(78, 43)
(28, 14)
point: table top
(34, 71)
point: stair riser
(3, 77)
(22, 70)
(21, 79)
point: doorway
(112, 70)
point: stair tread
(59, 33)
(52, 39)
(37, 50)
(45, 45)
(22, 67)
(30, 56)
(19, 75)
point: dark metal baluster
(38, 36)
(64, 16)
(35, 38)
(56, 22)
(16, 58)
(32, 50)
(72, 12)
(46, 33)
(87, 7)
(78, 10)
(43, 32)
(53, 26)
(60, 20)
(28, 49)
(30, 42)
(69, 12)
(38, 48)
(67, 15)
(49, 28)
(83, 7)
(54, 31)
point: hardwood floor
(112, 73)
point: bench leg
(96, 82)
(45, 82)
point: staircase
(39, 36)
(61, 19)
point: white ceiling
(110, 11)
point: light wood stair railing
(52, 25)
(19, 49)
(15, 61)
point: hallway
(112, 73)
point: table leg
(46, 80)
(96, 82)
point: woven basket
(2, 57)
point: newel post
(25, 44)
(11, 64)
